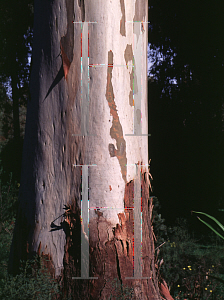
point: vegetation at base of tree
(32, 283)
(209, 226)
(191, 267)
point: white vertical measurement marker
(84, 79)
(85, 224)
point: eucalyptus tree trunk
(86, 149)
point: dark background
(186, 118)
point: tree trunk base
(111, 257)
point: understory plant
(192, 269)
(34, 282)
(8, 208)
(189, 267)
(213, 219)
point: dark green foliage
(32, 283)
(8, 199)
(158, 223)
(6, 232)
(8, 209)
(10, 150)
(11, 160)
(184, 262)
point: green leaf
(214, 219)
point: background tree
(50, 181)
(16, 18)
(186, 105)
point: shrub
(32, 283)
(190, 268)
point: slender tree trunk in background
(57, 137)
(16, 124)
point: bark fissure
(98, 231)
(82, 8)
(103, 288)
(118, 265)
(53, 243)
(127, 244)
(122, 245)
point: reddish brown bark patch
(144, 288)
(111, 256)
(67, 41)
(165, 291)
(65, 61)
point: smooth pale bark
(49, 178)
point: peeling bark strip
(122, 22)
(65, 61)
(67, 41)
(128, 56)
(111, 257)
(116, 130)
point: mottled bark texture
(111, 257)
(49, 215)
